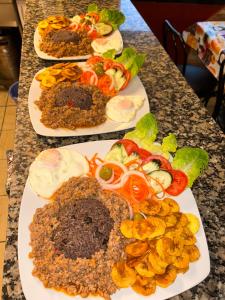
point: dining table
(177, 109)
(208, 40)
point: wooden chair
(199, 78)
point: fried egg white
(101, 45)
(123, 108)
(53, 167)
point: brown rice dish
(64, 42)
(72, 105)
(76, 239)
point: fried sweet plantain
(167, 278)
(150, 206)
(193, 252)
(137, 248)
(142, 229)
(158, 225)
(144, 286)
(126, 228)
(122, 275)
(144, 268)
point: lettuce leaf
(146, 130)
(112, 16)
(192, 161)
(109, 54)
(93, 7)
(169, 143)
(131, 60)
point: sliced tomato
(129, 146)
(94, 15)
(86, 77)
(178, 184)
(94, 60)
(128, 77)
(144, 154)
(94, 34)
(104, 84)
(164, 163)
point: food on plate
(72, 105)
(161, 247)
(166, 169)
(52, 167)
(50, 76)
(82, 34)
(123, 108)
(76, 240)
(75, 96)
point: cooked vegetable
(192, 161)
(179, 183)
(160, 180)
(169, 143)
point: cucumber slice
(151, 166)
(117, 153)
(103, 28)
(160, 180)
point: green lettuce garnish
(169, 143)
(112, 16)
(146, 130)
(131, 60)
(93, 7)
(192, 161)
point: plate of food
(100, 95)
(113, 219)
(76, 38)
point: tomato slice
(144, 154)
(94, 60)
(164, 163)
(104, 84)
(178, 184)
(86, 77)
(129, 146)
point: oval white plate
(43, 55)
(135, 87)
(33, 288)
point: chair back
(174, 45)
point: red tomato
(129, 146)
(85, 77)
(178, 184)
(127, 76)
(144, 154)
(164, 163)
(94, 60)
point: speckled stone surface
(177, 109)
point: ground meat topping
(65, 36)
(84, 228)
(74, 96)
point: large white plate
(33, 288)
(43, 55)
(135, 87)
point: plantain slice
(167, 278)
(144, 286)
(142, 229)
(150, 206)
(158, 264)
(193, 252)
(188, 237)
(137, 248)
(170, 220)
(182, 262)
(48, 81)
(194, 223)
(158, 225)
(122, 275)
(144, 268)
(165, 209)
(173, 205)
(126, 228)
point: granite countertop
(177, 110)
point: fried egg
(123, 108)
(53, 167)
(101, 45)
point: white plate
(43, 55)
(135, 87)
(33, 288)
